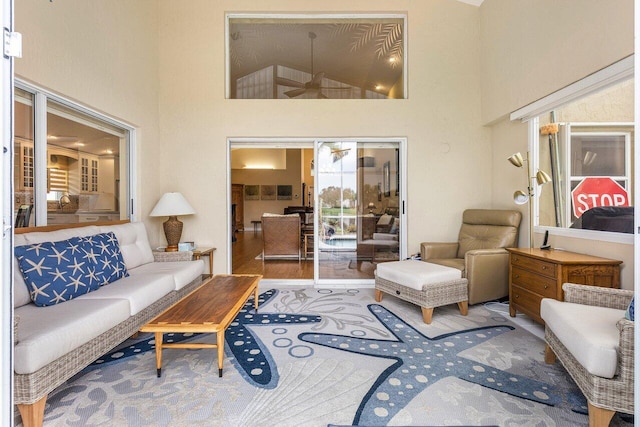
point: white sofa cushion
(183, 272)
(20, 289)
(134, 243)
(589, 333)
(415, 274)
(141, 290)
(68, 326)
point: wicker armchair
(281, 236)
(605, 396)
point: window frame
(616, 73)
(40, 107)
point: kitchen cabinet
(24, 167)
(89, 168)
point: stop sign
(594, 192)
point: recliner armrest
(488, 273)
(438, 250)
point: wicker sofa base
(432, 295)
(613, 394)
(32, 388)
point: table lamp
(371, 207)
(172, 205)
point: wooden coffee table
(208, 309)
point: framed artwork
(252, 192)
(267, 192)
(386, 179)
(285, 192)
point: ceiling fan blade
(295, 92)
(287, 82)
(336, 88)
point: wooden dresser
(535, 274)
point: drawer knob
(546, 286)
(544, 267)
(517, 296)
(517, 276)
(397, 292)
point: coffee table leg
(255, 299)
(159, 353)
(220, 336)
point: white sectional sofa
(53, 343)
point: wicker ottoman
(425, 284)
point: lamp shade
(542, 177)
(520, 197)
(171, 204)
(516, 160)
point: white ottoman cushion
(415, 274)
(589, 333)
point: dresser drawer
(536, 283)
(526, 301)
(535, 265)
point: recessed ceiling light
(378, 87)
(79, 144)
(392, 59)
(108, 151)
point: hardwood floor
(336, 265)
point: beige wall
(531, 48)
(160, 65)
(441, 117)
(253, 209)
(103, 54)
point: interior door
(359, 220)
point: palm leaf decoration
(387, 39)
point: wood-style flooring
(246, 260)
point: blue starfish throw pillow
(104, 251)
(60, 271)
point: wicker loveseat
(588, 332)
(52, 343)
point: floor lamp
(520, 197)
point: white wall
(531, 48)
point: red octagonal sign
(594, 192)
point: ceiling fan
(313, 86)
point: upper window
(319, 57)
(584, 140)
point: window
(583, 135)
(71, 164)
(316, 57)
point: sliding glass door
(359, 215)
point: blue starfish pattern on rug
(421, 361)
(252, 358)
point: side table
(208, 252)
(197, 253)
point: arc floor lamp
(520, 197)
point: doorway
(348, 194)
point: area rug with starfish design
(318, 357)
